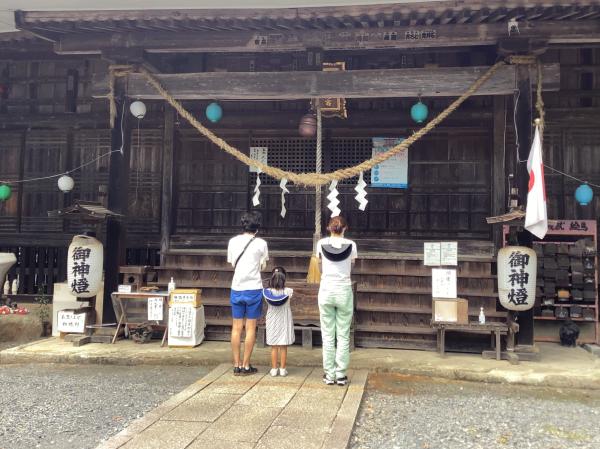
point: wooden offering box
(450, 310)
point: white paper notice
(155, 309)
(449, 253)
(431, 254)
(69, 321)
(181, 317)
(259, 154)
(443, 283)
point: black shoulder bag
(242, 253)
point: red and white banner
(536, 214)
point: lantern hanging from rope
(584, 194)
(65, 183)
(5, 192)
(517, 270)
(138, 109)
(419, 111)
(214, 112)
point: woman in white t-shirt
(247, 254)
(336, 303)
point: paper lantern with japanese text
(84, 266)
(517, 269)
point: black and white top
(279, 321)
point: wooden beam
(439, 82)
(499, 175)
(420, 36)
(166, 223)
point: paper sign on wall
(443, 283)
(393, 172)
(259, 154)
(69, 321)
(431, 254)
(448, 253)
(155, 309)
(181, 317)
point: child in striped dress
(279, 321)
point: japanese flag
(536, 215)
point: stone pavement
(559, 367)
(221, 411)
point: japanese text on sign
(518, 278)
(80, 270)
(155, 308)
(69, 321)
(443, 283)
(181, 318)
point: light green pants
(336, 310)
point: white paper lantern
(65, 183)
(138, 109)
(84, 266)
(517, 269)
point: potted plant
(44, 312)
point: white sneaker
(274, 372)
(283, 372)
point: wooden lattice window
(291, 154)
(347, 152)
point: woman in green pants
(336, 255)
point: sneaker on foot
(327, 380)
(274, 372)
(236, 370)
(246, 371)
(283, 372)
(342, 380)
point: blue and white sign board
(392, 173)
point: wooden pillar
(166, 222)
(525, 130)
(118, 199)
(499, 175)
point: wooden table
(121, 301)
(494, 328)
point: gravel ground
(77, 406)
(400, 412)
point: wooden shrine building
(182, 197)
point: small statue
(7, 286)
(15, 286)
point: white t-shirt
(336, 274)
(247, 273)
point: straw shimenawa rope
(309, 179)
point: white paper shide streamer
(284, 190)
(361, 193)
(256, 197)
(333, 200)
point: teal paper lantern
(214, 112)
(5, 192)
(584, 194)
(419, 112)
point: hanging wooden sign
(333, 107)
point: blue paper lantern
(214, 112)
(584, 194)
(419, 112)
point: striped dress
(280, 323)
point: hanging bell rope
(313, 179)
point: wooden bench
(305, 311)
(496, 329)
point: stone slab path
(251, 412)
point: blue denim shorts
(246, 304)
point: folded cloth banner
(361, 193)
(256, 197)
(536, 214)
(333, 200)
(284, 190)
